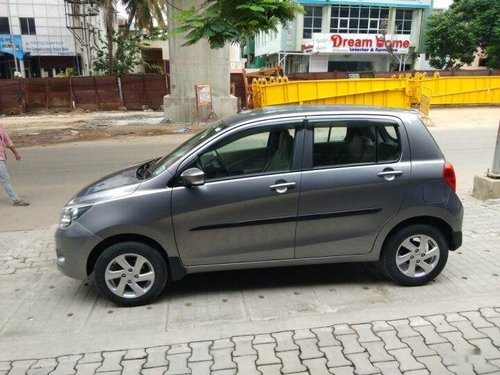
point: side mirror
(193, 177)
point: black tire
(131, 286)
(406, 246)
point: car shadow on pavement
(326, 275)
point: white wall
(269, 43)
(52, 37)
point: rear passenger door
(356, 171)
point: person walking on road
(6, 142)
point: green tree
(450, 43)
(484, 21)
(147, 14)
(453, 36)
(223, 21)
(128, 53)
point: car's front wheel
(415, 254)
(130, 273)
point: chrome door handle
(282, 187)
(389, 173)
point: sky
(439, 4)
(121, 9)
(442, 4)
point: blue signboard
(12, 44)
(414, 4)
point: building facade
(42, 38)
(348, 35)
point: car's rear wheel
(131, 273)
(415, 254)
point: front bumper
(73, 247)
(455, 240)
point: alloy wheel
(129, 275)
(417, 256)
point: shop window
(27, 26)
(312, 21)
(403, 21)
(4, 25)
(357, 19)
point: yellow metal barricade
(402, 91)
(463, 90)
(377, 91)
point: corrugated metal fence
(93, 93)
(403, 91)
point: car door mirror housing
(193, 177)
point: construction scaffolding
(81, 20)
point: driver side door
(247, 209)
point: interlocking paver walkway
(455, 342)
(455, 355)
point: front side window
(312, 21)
(163, 163)
(4, 25)
(249, 153)
(27, 26)
(355, 142)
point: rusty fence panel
(238, 81)
(10, 96)
(92, 93)
(46, 93)
(143, 90)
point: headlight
(70, 214)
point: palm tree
(109, 9)
(146, 13)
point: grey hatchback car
(272, 187)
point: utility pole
(495, 170)
(488, 186)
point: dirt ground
(51, 128)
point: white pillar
(21, 68)
(196, 65)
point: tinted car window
(354, 142)
(249, 153)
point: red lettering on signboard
(339, 41)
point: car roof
(303, 110)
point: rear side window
(355, 142)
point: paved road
(49, 176)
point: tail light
(449, 175)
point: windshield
(163, 163)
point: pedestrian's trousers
(5, 181)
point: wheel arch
(438, 223)
(103, 245)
